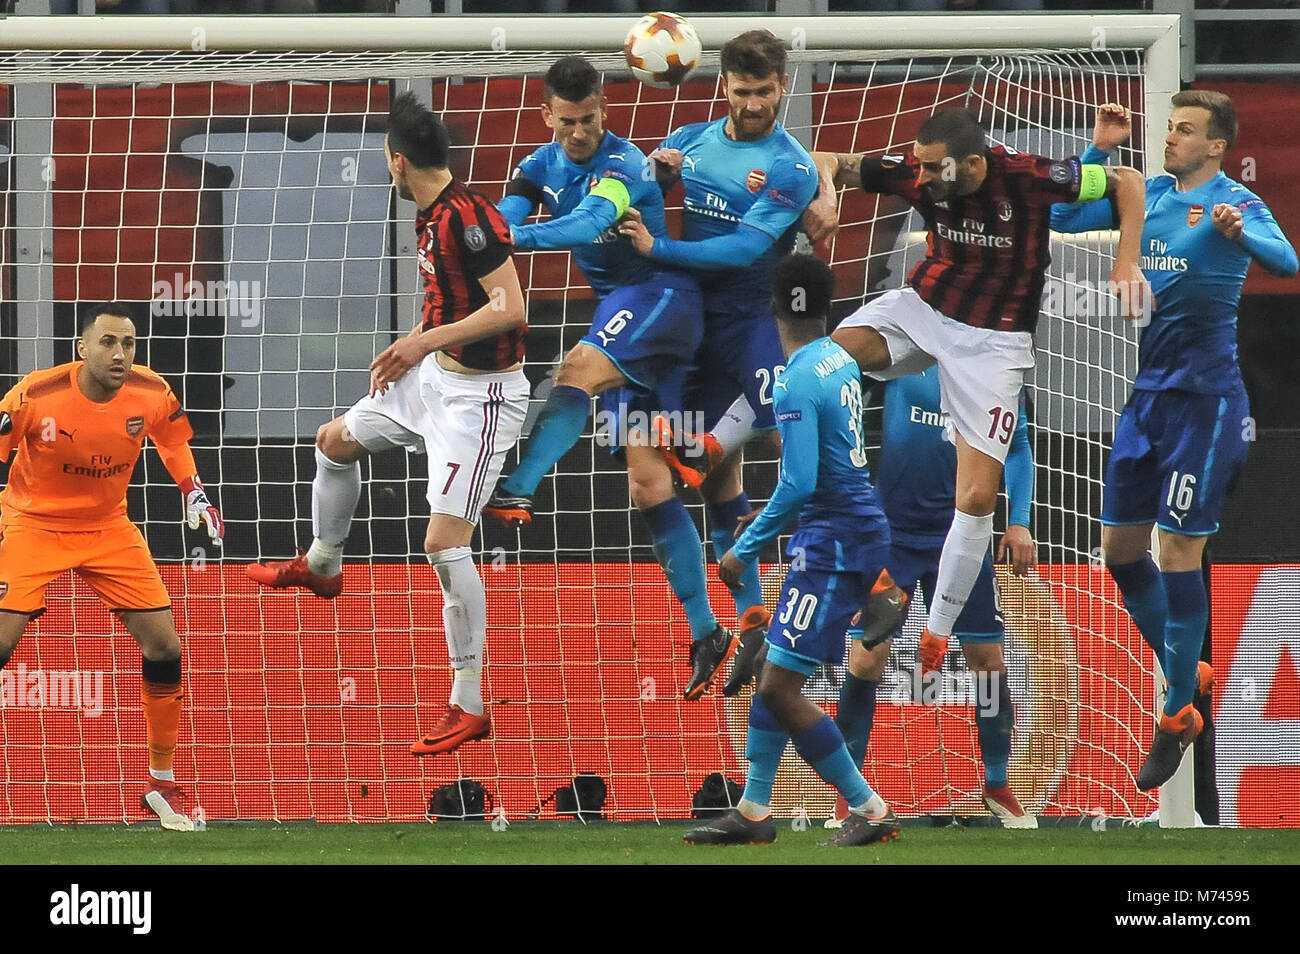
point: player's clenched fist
(1113, 126)
(199, 509)
(1227, 219)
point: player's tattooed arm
(836, 170)
(822, 217)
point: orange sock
(162, 716)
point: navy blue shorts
(741, 354)
(818, 600)
(912, 565)
(1175, 455)
(650, 331)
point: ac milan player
(453, 388)
(972, 305)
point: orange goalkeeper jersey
(75, 457)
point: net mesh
(242, 201)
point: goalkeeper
(843, 543)
(1181, 439)
(79, 429)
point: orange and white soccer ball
(662, 49)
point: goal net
(240, 201)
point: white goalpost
(226, 177)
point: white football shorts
(465, 423)
(981, 370)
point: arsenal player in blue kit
(1180, 442)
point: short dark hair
(802, 289)
(958, 129)
(416, 133)
(757, 53)
(1223, 115)
(115, 308)
(572, 79)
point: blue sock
(563, 418)
(995, 718)
(1189, 611)
(1143, 588)
(723, 519)
(763, 747)
(822, 747)
(677, 547)
(856, 714)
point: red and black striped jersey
(461, 238)
(987, 253)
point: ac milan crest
(755, 180)
(1194, 215)
(134, 426)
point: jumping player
(972, 305)
(453, 388)
(644, 334)
(1180, 442)
(746, 183)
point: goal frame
(195, 38)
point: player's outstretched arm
(601, 208)
(1017, 543)
(1128, 188)
(503, 312)
(800, 455)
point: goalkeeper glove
(199, 509)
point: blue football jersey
(917, 472)
(824, 471)
(610, 262)
(1196, 274)
(730, 185)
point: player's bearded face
(1188, 145)
(579, 127)
(399, 177)
(108, 348)
(753, 103)
(941, 176)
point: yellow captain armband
(616, 192)
(1092, 183)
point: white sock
(163, 776)
(467, 689)
(735, 428)
(464, 622)
(752, 810)
(959, 566)
(873, 807)
(335, 492)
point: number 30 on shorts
(1004, 423)
(798, 612)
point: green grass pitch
(469, 843)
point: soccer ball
(662, 49)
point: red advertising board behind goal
(309, 712)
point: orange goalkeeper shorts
(115, 561)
